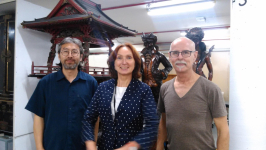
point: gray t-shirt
(189, 119)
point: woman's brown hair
(111, 61)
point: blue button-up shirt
(62, 105)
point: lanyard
(114, 100)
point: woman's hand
(130, 146)
(90, 145)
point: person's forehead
(181, 46)
(124, 50)
(70, 45)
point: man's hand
(38, 127)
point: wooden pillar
(86, 56)
(51, 56)
(110, 49)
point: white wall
(247, 76)
(29, 46)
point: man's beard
(70, 67)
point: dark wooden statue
(150, 61)
(196, 34)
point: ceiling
(133, 14)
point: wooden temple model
(82, 19)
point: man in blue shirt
(60, 100)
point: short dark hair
(70, 40)
(111, 61)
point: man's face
(180, 63)
(70, 56)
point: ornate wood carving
(69, 11)
(150, 61)
(82, 19)
(6, 56)
(86, 30)
(66, 10)
(70, 33)
(7, 30)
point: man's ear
(195, 55)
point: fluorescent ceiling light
(170, 2)
(212, 33)
(180, 8)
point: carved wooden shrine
(7, 36)
(82, 19)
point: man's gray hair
(71, 40)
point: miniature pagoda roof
(73, 12)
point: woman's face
(124, 62)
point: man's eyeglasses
(185, 53)
(73, 53)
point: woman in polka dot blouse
(125, 105)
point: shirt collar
(61, 76)
(133, 82)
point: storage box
(6, 143)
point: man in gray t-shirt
(188, 104)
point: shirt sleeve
(90, 118)
(149, 133)
(216, 102)
(37, 101)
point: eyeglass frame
(181, 53)
(71, 52)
